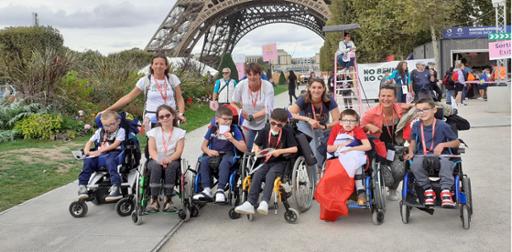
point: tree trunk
(435, 48)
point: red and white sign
(500, 49)
(269, 52)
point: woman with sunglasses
(165, 146)
(381, 122)
(313, 110)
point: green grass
(280, 89)
(198, 114)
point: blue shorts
(344, 64)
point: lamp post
(500, 8)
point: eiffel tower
(222, 23)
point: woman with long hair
(292, 85)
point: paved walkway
(44, 223)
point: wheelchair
(182, 188)
(412, 195)
(99, 183)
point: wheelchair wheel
(184, 214)
(233, 215)
(302, 185)
(466, 217)
(78, 209)
(377, 216)
(194, 211)
(125, 206)
(291, 216)
(378, 187)
(137, 216)
(405, 212)
(466, 186)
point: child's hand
(409, 156)
(438, 150)
(276, 153)
(212, 153)
(94, 153)
(228, 136)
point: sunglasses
(279, 125)
(166, 116)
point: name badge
(405, 89)
(390, 155)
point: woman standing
(255, 98)
(292, 85)
(400, 76)
(159, 87)
(313, 110)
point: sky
(111, 26)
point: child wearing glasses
(165, 146)
(219, 145)
(108, 141)
(349, 143)
(282, 140)
(432, 137)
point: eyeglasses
(227, 118)
(161, 117)
(110, 125)
(349, 121)
(421, 111)
(279, 125)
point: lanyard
(423, 138)
(164, 143)
(162, 91)
(392, 131)
(278, 138)
(314, 111)
(253, 99)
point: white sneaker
(245, 208)
(393, 195)
(263, 208)
(220, 197)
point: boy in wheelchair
(218, 147)
(281, 139)
(108, 141)
(430, 139)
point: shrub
(14, 112)
(282, 79)
(39, 126)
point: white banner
(371, 74)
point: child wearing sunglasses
(108, 141)
(348, 142)
(282, 140)
(165, 146)
(219, 145)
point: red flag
(333, 191)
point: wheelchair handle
(439, 156)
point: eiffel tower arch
(222, 23)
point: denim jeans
(93, 164)
(225, 165)
(318, 143)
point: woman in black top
(292, 84)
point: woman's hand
(373, 129)
(314, 123)
(409, 156)
(182, 118)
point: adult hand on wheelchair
(212, 153)
(314, 123)
(245, 115)
(182, 118)
(373, 129)
(409, 156)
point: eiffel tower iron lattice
(222, 23)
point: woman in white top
(256, 99)
(165, 146)
(159, 87)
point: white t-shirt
(171, 141)
(119, 135)
(264, 99)
(154, 97)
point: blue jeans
(93, 164)
(225, 165)
(250, 135)
(449, 94)
(318, 143)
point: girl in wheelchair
(165, 146)
(282, 142)
(218, 147)
(431, 136)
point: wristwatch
(250, 118)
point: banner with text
(371, 74)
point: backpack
(471, 77)
(455, 76)
(447, 81)
(129, 123)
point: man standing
(223, 89)
(420, 79)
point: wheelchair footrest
(353, 205)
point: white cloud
(114, 25)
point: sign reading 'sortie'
(500, 50)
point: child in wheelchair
(348, 142)
(165, 146)
(219, 146)
(281, 139)
(430, 139)
(108, 140)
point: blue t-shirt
(443, 133)
(322, 115)
(420, 80)
(221, 145)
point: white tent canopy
(176, 62)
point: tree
(282, 79)
(227, 61)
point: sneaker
(393, 195)
(153, 205)
(263, 208)
(245, 208)
(446, 199)
(205, 195)
(361, 198)
(430, 197)
(220, 197)
(114, 195)
(82, 192)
